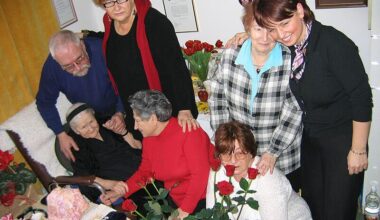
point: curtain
(25, 30)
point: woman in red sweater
(178, 159)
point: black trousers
(329, 190)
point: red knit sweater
(176, 158)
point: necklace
(258, 68)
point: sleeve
(119, 104)
(346, 64)
(145, 166)
(196, 152)
(210, 194)
(47, 96)
(273, 193)
(290, 125)
(218, 103)
(166, 51)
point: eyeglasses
(238, 156)
(78, 62)
(109, 4)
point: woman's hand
(186, 119)
(356, 162)
(116, 123)
(181, 215)
(266, 163)
(237, 39)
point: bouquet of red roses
(225, 188)
(14, 178)
(198, 55)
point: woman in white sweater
(235, 145)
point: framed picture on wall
(65, 12)
(182, 15)
(340, 3)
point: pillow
(36, 137)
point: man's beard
(83, 71)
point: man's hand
(237, 39)
(186, 119)
(66, 143)
(266, 163)
(116, 123)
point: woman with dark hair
(142, 52)
(178, 159)
(332, 88)
(252, 86)
(236, 146)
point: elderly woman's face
(146, 127)
(262, 42)
(86, 126)
(240, 159)
(120, 12)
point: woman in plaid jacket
(251, 86)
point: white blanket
(36, 137)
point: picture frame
(182, 15)
(321, 4)
(65, 12)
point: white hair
(61, 39)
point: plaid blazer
(276, 119)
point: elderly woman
(252, 86)
(102, 153)
(178, 159)
(236, 146)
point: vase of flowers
(198, 55)
(14, 179)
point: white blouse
(276, 198)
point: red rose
(7, 199)
(197, 47)
(146, 177)
(5, 159)
(189, 51)
(129, 206)
(230, 170)
(252, 173)
(209, 48)
(225, 188)
(219, 44)
(189, 43)
(215, 163)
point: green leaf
(21, 188)
(253, 203)
(244, 184)
(251, 191)
(240, 192)
(155, 206)
(166, 208)
(240, 200)
(162, 193)
(234, 210)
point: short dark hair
(228, 133)
(266, 12)
(148, 102)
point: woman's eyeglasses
(238, 156)
(109, 4)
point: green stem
(245, 195)
(147, 191)
(215, 186)
(154, 185)
(138, 213)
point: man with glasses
(77, 69)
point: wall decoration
(340, 3)
(182, 15)
(65, 12)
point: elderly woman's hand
(266, 163)
(237, 39)
(116, 123)
(186, 120)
